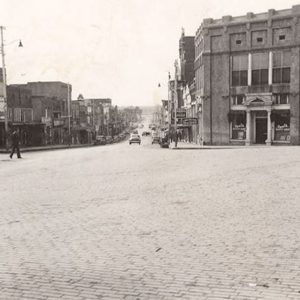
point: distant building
(187, 76)
(187, 58)
(247, 78)
(54, 98)
(90, 117)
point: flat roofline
(249, 17)
(49, 82)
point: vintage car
(164, 142)
(100, 140)
(134, 138)
(155, 139)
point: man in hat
(15, 144)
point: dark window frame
(281, 37)
(281, 75)
(260, 77)
(239, 78)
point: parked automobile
(134, 138)
(164, 142)
(100, 140)
(155, 139)
(122, 136)
(109, 139)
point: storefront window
(239, 126)
(282, 126)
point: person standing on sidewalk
(15, 144)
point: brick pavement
(141, 222)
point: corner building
(247, 78)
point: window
(17, 115)
(282, 126)
(238, 99)
(282, 37)
(280, 98)
(260, 77)
(281, 67)
(260, 65)
(240, 70)
(239, 126)
(259, 40)
(238, 42)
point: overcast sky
(119, 49)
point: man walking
(15, 144)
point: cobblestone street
(141, 222)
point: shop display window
(239, 126)
(282, 126)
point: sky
(118, 49)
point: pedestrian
(15, 144)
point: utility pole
(69, 114)
(169, 105)
(175, 102)
(5, 107)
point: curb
(34, 149)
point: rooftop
(250, 17)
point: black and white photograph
(149, 150)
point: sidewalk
(193, 146)
(48, 147)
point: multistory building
(247, 78)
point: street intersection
(140, 222)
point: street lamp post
(5, 108)
(4, 89)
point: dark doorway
(261, 130)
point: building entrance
(261, 130)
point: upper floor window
(282, 37)
(260, 65)
(282, 67)
(239, 70)
(281, 99)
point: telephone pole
(69, 114)
(5, 108)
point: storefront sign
(190, 121)
(181, 114)
(239, 127)
(58, 123)
(2, 104)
